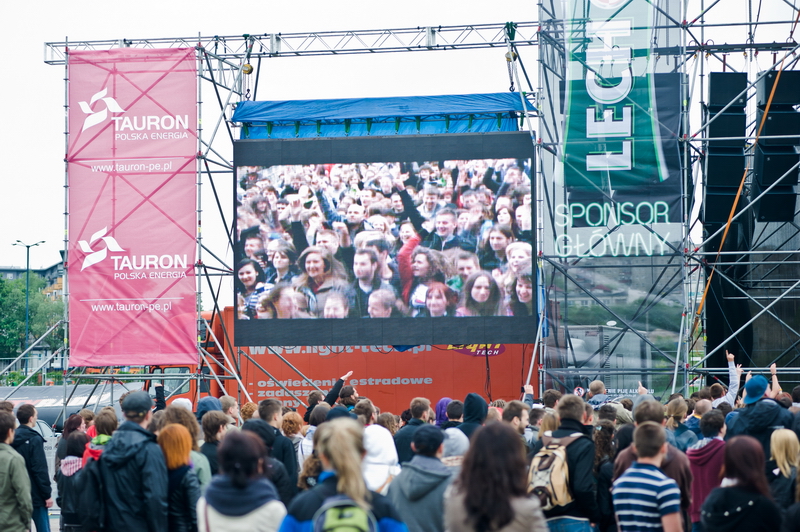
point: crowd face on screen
(385, 240)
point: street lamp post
(27, 290)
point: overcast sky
(31, 136)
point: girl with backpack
(341, 490)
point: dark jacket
(759, 420)
(781, 487)
(605, 502)
(738, 510)
(418, 493)
(791, 519)
(30, 445)
(276, 473)
(283, 451)
(305, 505)
(402, 440)
(580, 461)
(475, 410)
(67, 498)
(275, 470)
(182, 495)
(331, 398)
(209, 450)
(135, 477)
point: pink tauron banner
(132, 207)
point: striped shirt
(642, 495)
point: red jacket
(706, 463)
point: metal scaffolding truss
(230, 68)
(237, 47)
(764, 277)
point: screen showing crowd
(385, 240)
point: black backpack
(91, 496)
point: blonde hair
(785, 449)
(549, 422)
(676, 412)
(341, 442)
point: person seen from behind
(66, 477)
(240, 499)
(418, 491)
(134, 472)
(30, 445)
(706, 459)
(644, 497)
(491, 492)
(340, 447)
(183, 488)
(743, 502)
(782, 467)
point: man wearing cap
(418, 491)
(134, 472)
(760, 416)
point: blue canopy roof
(410, 115)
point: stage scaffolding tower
(623, 318)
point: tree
(43, 314)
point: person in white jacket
(380, 465)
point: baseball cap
(137, 403)
(755, 388)
(427, 439)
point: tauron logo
(93, 256)
(96, 117)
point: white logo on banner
(96, 117)
(96, 256)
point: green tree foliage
(659, 316)
(44, 313)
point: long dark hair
(493, 472)
(491, 306)
(603, 443)
(73, 423)
(239, 455)
(744, 462)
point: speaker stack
(724, 162)
(776, 155)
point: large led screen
(385, 240)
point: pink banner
(132, 207)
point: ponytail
(341, 441)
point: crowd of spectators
(380, 240)
(724, 458)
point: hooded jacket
(135, 477)
(736, 510)
(207, 404)
(705, 460)
(227, 507)
(760, 420)
(30, 445)
(475, 410)
(418, 493)
(380, 465)
(67, 498)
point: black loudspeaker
(772, 162)
(723, 87)
(718, 204)
(728, 124)
(787, 92)
(780, 123)
(724, 167)
(778, 205)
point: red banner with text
(132, 207)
